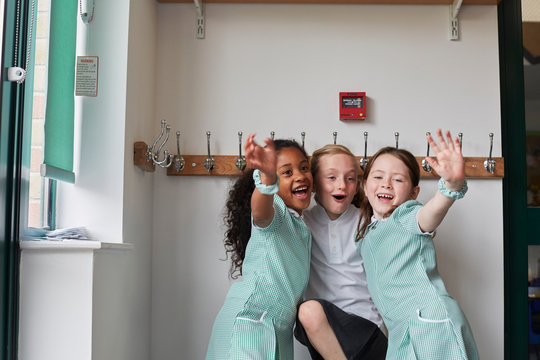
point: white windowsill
(73, 244)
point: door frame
(12, 97)
(514, 183)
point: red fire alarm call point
(352, 106)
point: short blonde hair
(330, 149)
(334, 149)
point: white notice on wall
(87, 76)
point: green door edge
(514, 183)
(13, 136)
(7, 144)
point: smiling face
(295, 181)
(388, 185)
(336, 183)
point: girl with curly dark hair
(270, 247)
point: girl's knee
(311, 315)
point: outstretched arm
(450, 165)
(264, 159)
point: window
(52, 118)
(38, 192)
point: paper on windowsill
(76, 233)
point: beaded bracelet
(452, 194)
(265, 189)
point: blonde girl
(338, 319)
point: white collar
(323, 213)
(375, 220)
(294, 213)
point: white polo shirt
(337, 272)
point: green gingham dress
(257, 318)
(423, 321)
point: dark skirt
(359, 338)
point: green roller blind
(59, 113)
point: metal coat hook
(272, 134)
(241, 160)
(165, 162)
(154, 155)
(303, 135)
(364, 160)
(209, 162)
(179, 162)
(396, 135)
(489, 163)
(150, 152)
(335, 136)
(167, 158)
(425, 164)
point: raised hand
(449, 163)
(259, 157)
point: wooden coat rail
(225, 165)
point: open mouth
(300, 191)
(385, 196)
(339, 197)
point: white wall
(138, 185)
(111, 197)
(55, 318)
(280, 68)
(96, 199)
(72, 304)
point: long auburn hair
(334, 149)
(237, 217)
(414, 173)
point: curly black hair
(238, 213)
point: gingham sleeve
(406, 215)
